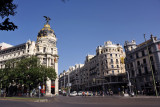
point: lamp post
(129, 82)
(154, 83)
(69, 85)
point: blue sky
(82, 25)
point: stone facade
(139, 67)
(44, 48)
(103, 71)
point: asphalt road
(62, 101)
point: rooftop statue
(47, 19)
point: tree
(31, 72)
(26, 71)
(7, 8)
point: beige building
(44, 48)
(103, 71)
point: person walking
(87, 93)
(111, 93)
(83, 93)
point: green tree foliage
(27, 71)
(7, 8)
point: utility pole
(64, 80)
(68, 84)
(151, 68)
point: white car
(74, 93)
(79, 93)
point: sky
(82, 25)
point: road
(64, 101)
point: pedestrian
(87, 93)
(83, 93)
(111, 92)
(96, 93)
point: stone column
(48, 87)
(56, 81)
(48, 83)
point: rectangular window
(146, 70)
(144, 61)
(153, 67)
(112, 61)
(51, 61)
(117, 61)
(51, 50)
(112, 66)
(151, 58)
(44, 49)
(137, 56)
(138, 63)
(150, 50)
(143, 54)
(44, 61)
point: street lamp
(129, 82)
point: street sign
(69, 84)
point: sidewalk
(28, 99)
(121, 96)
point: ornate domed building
(44, 48)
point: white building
(44, 48)
(4, 45)
(103, 71)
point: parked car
(79, 93)
(74, 93)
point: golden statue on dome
(47, 19)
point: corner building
(140, 62)
(104, 71)
(44, 48)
